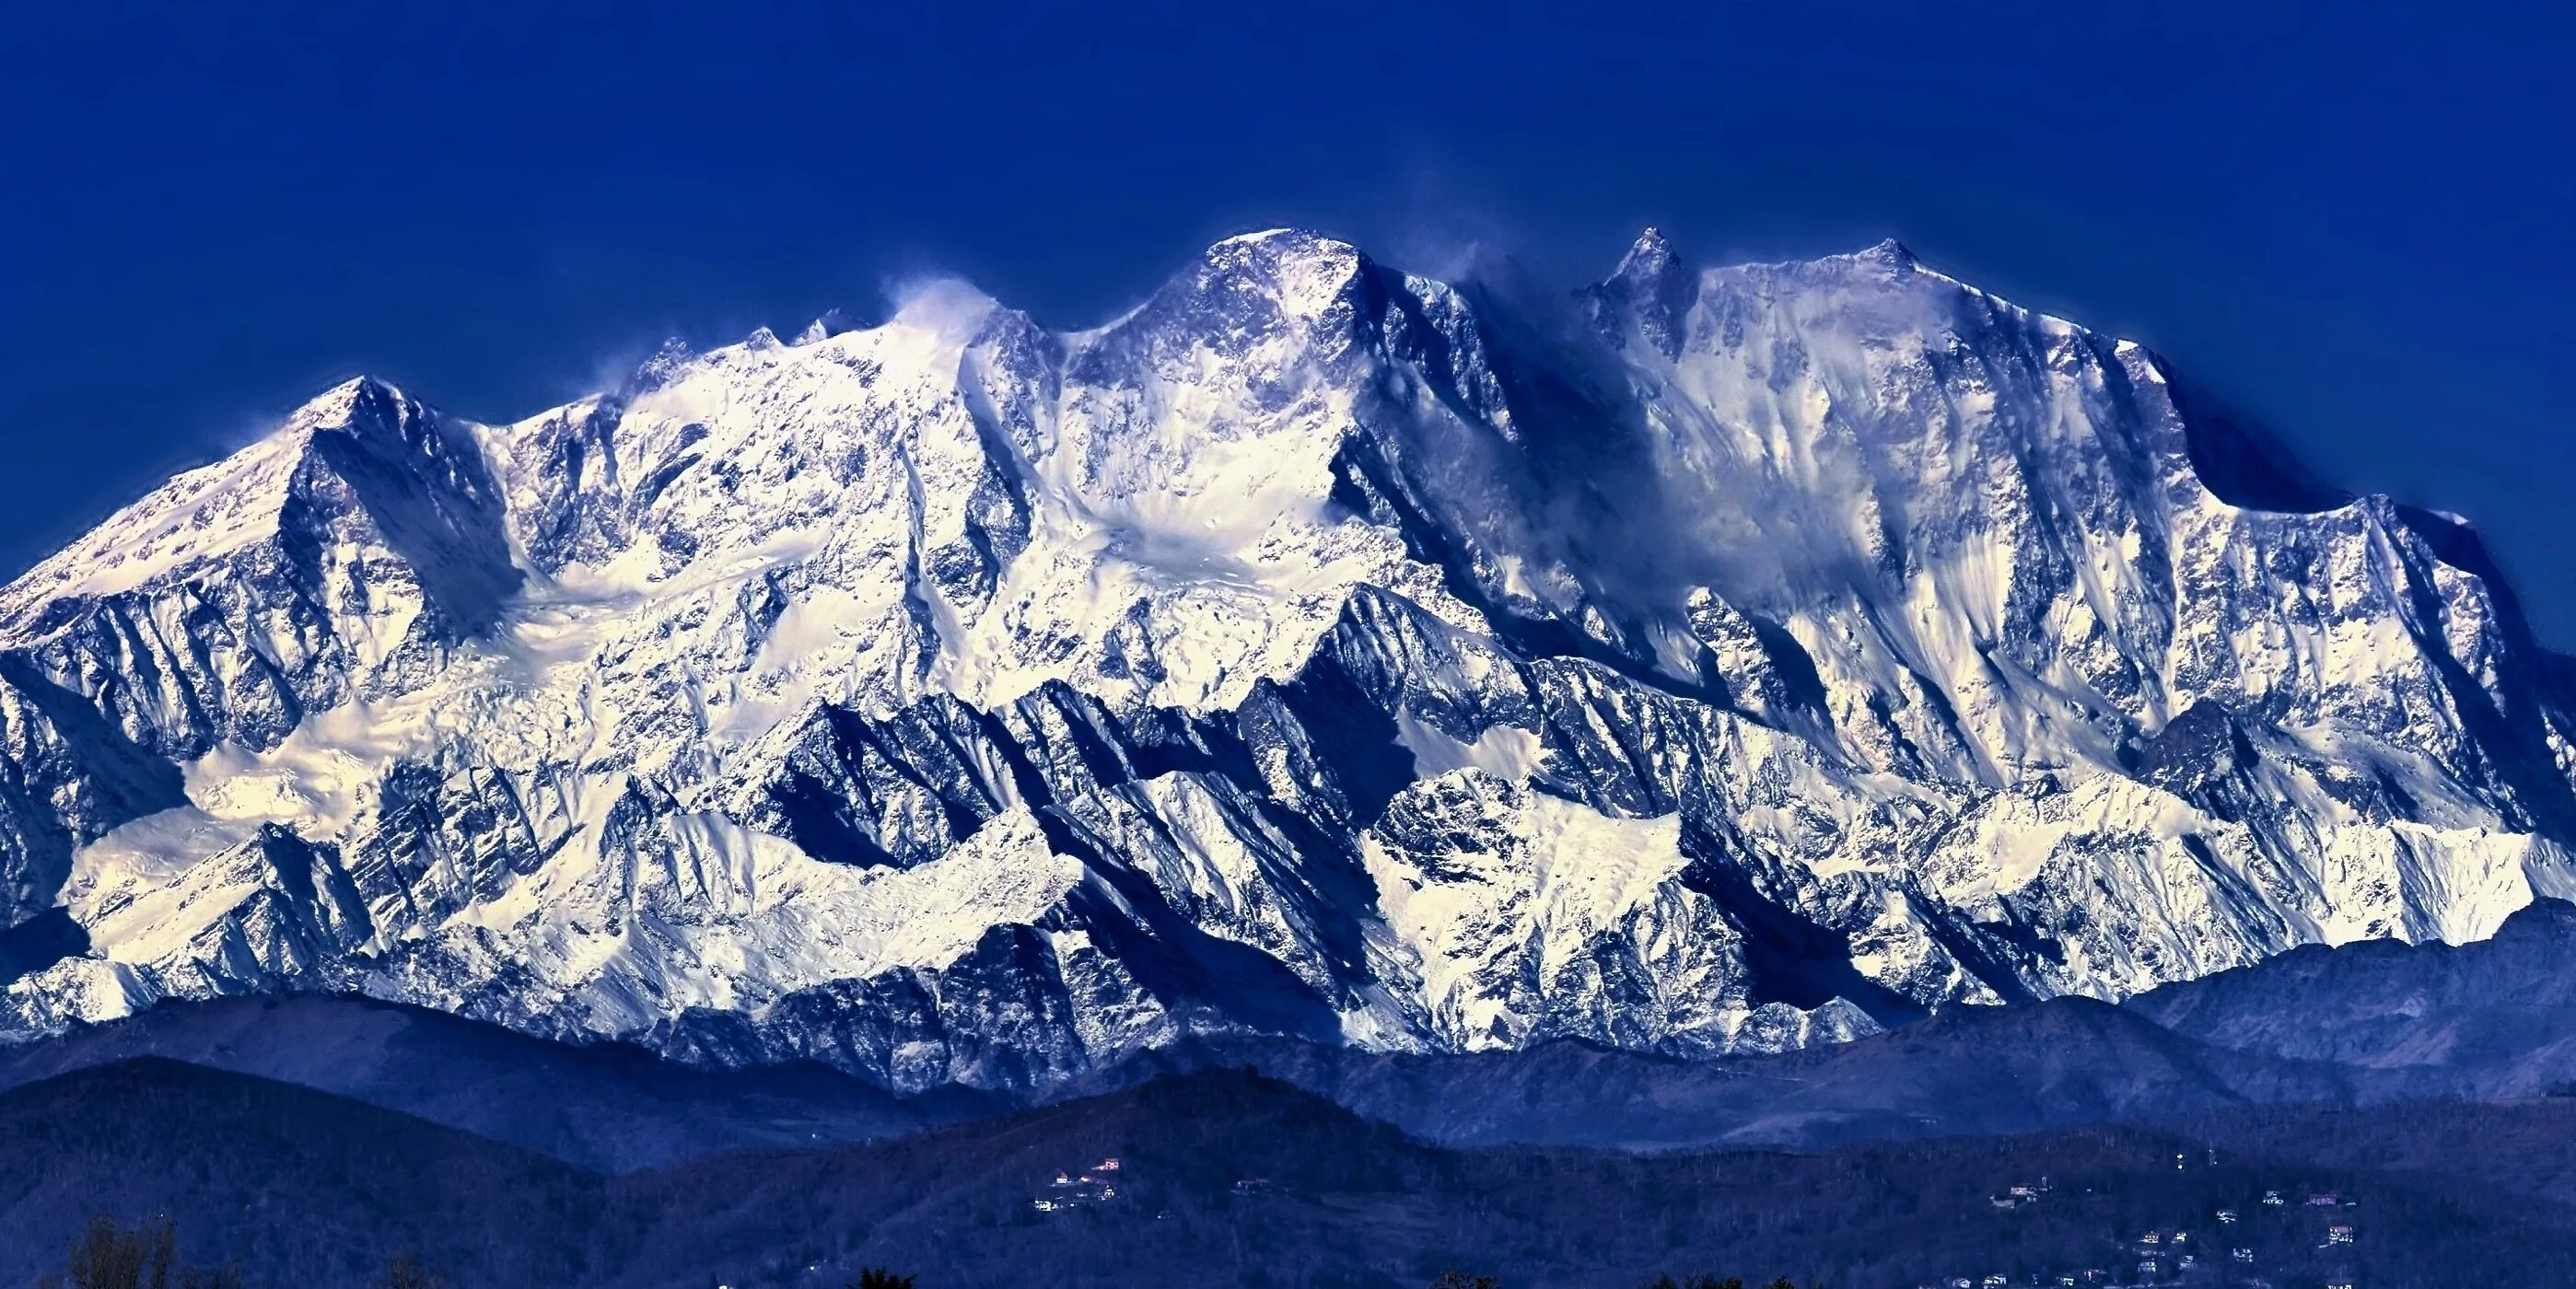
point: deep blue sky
(2352, 221)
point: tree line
(108, 1256)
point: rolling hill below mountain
(1229, 1178)
(603, 1107)
(2498, 1016)
(1972, 1072)
(293, 1185)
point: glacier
(1720, 660)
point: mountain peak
(1281, 240)
(1285, 252)
(665, 366)
(1888, 253)
(1292, 271)
(834, 322)
(1649, 259)
(351, 456)
(1655, 288)
(350, 404)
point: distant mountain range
(1716, 662)
(2373, 1025)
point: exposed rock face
(1747, 658)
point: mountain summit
(1750, 657)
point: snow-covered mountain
(1731, 659)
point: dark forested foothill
(107, 1256)
(1227, 1177)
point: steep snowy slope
(1729, 660)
